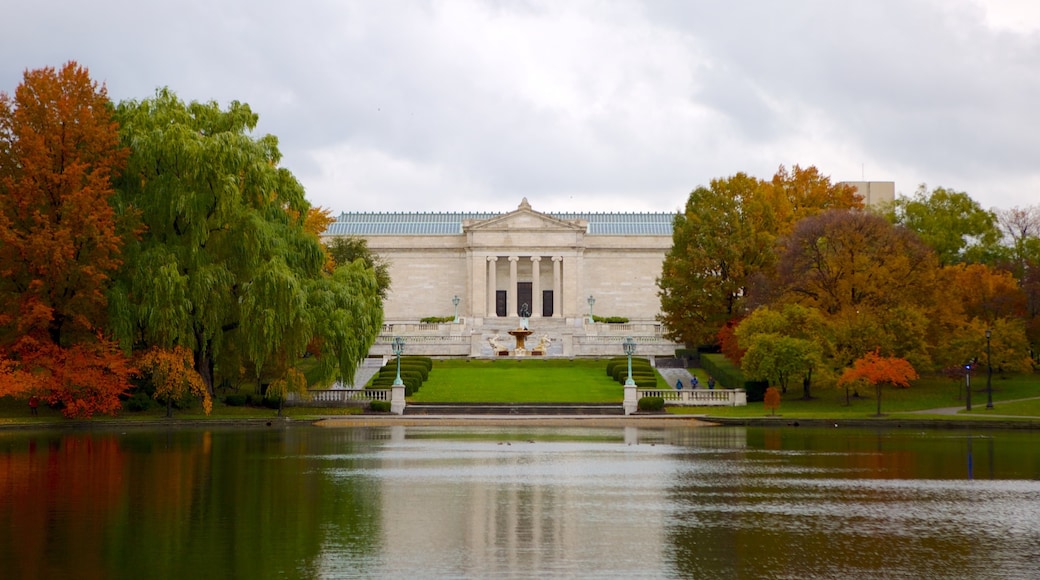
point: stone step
(514, 409)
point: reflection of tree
(236, 504)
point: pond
(519, 502)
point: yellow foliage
(173, 374)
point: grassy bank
(584, 381)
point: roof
(450, 223)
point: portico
(497, 263)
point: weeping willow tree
(224, 265)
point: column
(492, 285)
(511, 291)
(536, 286)
(557, 286)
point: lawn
(519, 381)
(927, 393)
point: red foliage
(728, 342)
(85, 379)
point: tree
(723, 244)
(60, 239)
(867, 278)
(227, 268)
(771, 400)
(951, 223)
(719, 242)
(346, 249)
(877, 370)
(782, 343)
(173, 375)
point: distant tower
(874, 192)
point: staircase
(589, 409)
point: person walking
(678, 385)
(694, 383)
(711, 382)
(34, 403)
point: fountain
(521, 333)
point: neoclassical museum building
(494, 273)
(497, 272)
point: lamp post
(967, 385)
(455, 302)
(630, 349)
(398, 349)
(591, 300)
(989, 372)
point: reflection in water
(407, 502)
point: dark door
(547, 303)
(500, 302)
(524, 293)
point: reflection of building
(498, 263)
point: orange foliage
(173, 374)
(771, 400)
(875, 369)
(59, 244)
(983, 292)
(86, 378)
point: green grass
(924, 394)
(520, 381)
(584, 381)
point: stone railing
(334, 397)
(699, 397)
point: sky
(580, 105)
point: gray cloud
(599, 105)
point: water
(426, 502)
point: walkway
(956, 410)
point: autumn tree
(771, 400)
(723, 242)
(60, 240)
(719, 241)
(867, 278)
(877, 370)
(951, 223)
(227, 267)
(173, 375)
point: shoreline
(652, 420)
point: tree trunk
(204, 363)
(806, 385)
(878, 388)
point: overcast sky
(580, 105)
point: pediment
(523, 218)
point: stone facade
(502, 265)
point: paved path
(975, 405)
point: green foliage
(651, 404)
(139, 401)
(225, 266)
(237, 400)
(345, 250)
(379, 406)
(951, 223)
(610, 319)
(436, 319)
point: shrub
(139, 402)
(728, 376)
(379, 406)
(610, 319)
(651, 404)
(436, 319)
(237, 400)
(272, 401)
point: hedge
(728, 376)
(651, 404)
